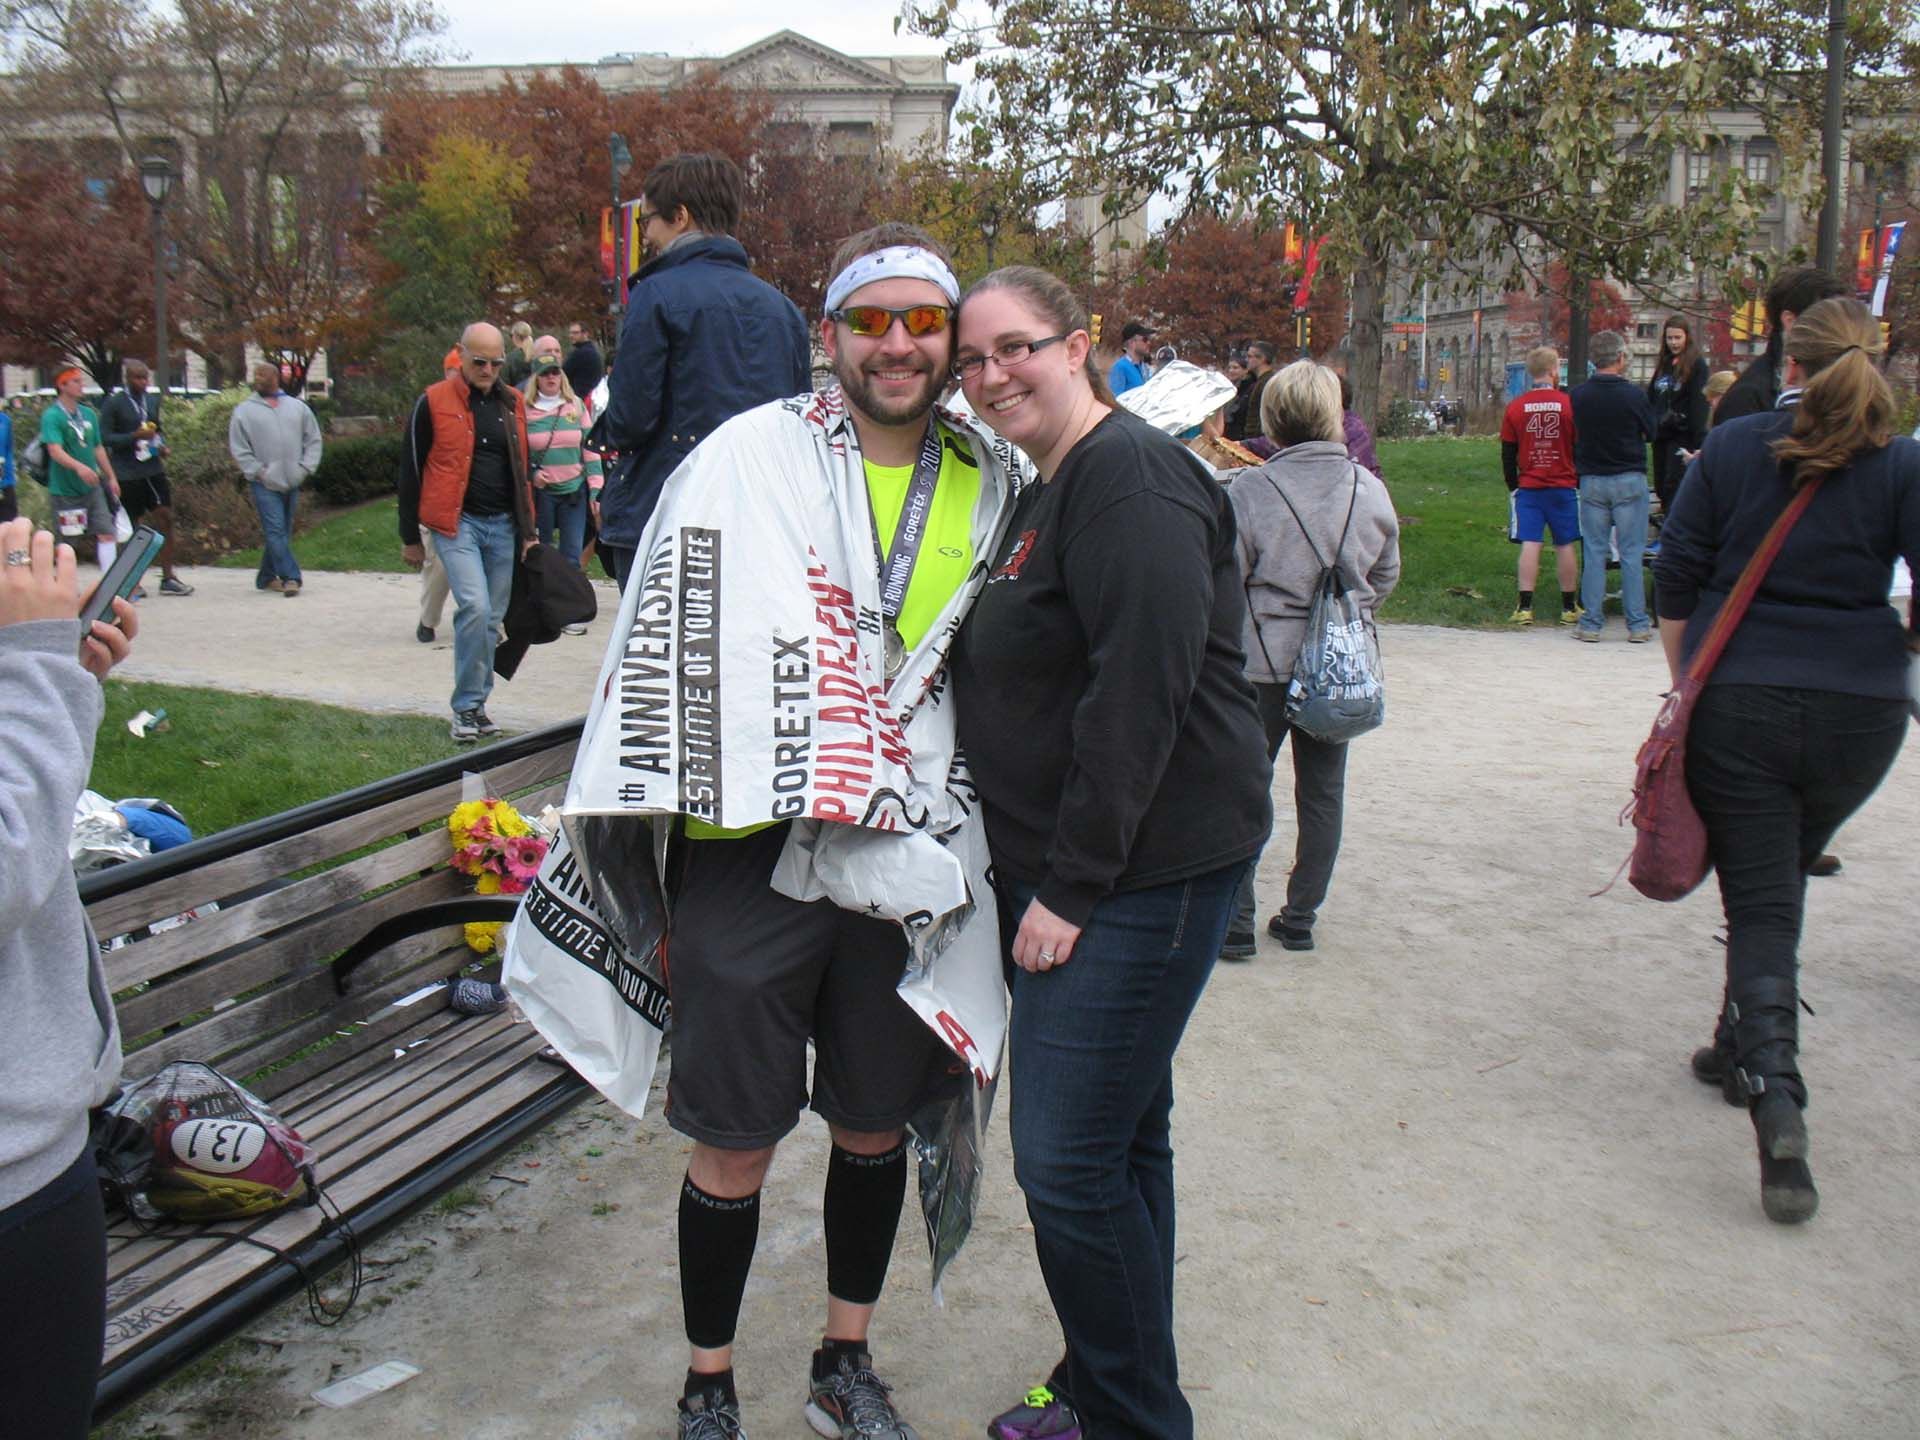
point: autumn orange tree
(262, 107)
(1212, 284)
(78, 277)
(1543, 318)
(800, 201)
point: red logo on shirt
(1022, 548)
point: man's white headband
(897, 262)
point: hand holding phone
(123, 578)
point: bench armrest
(466, 909)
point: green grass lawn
(1457, 565)
(232, 758)
(366, 537)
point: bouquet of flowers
(494, 843)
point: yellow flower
(460, 822)
(483, 936)
(487, 884)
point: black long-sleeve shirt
(1821, 620)
(1679, 404)
(1100, 683)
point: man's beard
(860, 393)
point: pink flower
(514, 885)
(523, 855)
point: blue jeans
(568, 515)
(479, 565)
(276, 509)
(1092, 1062)
(1616, 503)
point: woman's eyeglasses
(1010, 356)
(876, 320)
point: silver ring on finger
(19, 557)
(1046, 957)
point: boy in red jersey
(1536, 452)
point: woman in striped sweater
(562, 470)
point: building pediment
(788, 61)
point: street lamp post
(620, 160)
(156, 178)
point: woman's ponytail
(1846, 408)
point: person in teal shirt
(79, 475)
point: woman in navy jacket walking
(1804, 714)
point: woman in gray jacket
(1294, 513)
(59, 1044)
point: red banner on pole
(1305, 292)
(1867, 264)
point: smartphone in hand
(122, 578)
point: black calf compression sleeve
(863, 1199)
(716, 1250)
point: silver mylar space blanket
(744, 683)
(1178, 396)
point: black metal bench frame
(311, 918)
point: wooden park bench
(400, 1102)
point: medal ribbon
(896, 566)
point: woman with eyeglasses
(562, 470)
(1119, 758)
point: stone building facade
(1471, 337)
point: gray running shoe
(710, 1417)
(850, 1402)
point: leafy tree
(1544, 317)
(78, 278)
(1213, 284)
(557, 127)
(1486, 138)
(444, 232)
(986, 216)
(263, 106)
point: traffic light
(1303, 332)
(1749, 321)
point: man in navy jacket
(1612, 425)
(704, 339)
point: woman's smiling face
(1027, 402)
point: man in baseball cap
(1136, 344)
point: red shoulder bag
(1670, 856)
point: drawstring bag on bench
(190, 1144)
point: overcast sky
(502, 31)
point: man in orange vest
(464, 479)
